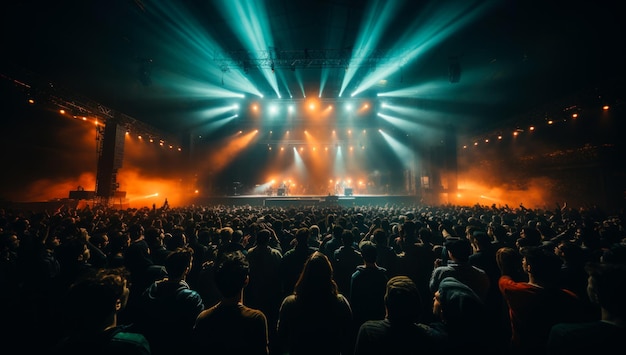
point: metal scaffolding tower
(110, 131)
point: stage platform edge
(296, 201)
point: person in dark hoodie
(168, 308)
(461, 319)
(400, 331)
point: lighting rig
(111, 128)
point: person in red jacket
(537, 304)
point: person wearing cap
(461, 319)
(458, 251)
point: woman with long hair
(316, 318)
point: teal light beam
(430, 29)
(339, 167)
(379, 16)
(405, 125)
(191, 45)
(214, 125)
(403, 152)
(299, 168)
(461, 92)
(251, 25)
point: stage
(307, 200)
(233, 200)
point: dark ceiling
(154, 60)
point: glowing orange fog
(535, 195)
(221, 157)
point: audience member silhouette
(536, 305)
(177, 238)
(230, 327)
(118, 243)
(155, 239)
(168, 308)
(227, 245)
(417, 262)
(98, 245)
(572, 275)
(264, 290)
(367, 287)
(90, 318)
(332, 241)
(614, 254)
(461, 319)
(484, 257)
(73, 257)
(606, 288)
(315, 238)
(400, 331)
(528, 236)
(202, 254)
(345, 261)
(458, 266)
(359, 222)
(316, 318)
(293, 261)
(386, 256)
(143, 272)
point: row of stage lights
(532, 128)
(310, 106)
(98, 123)
(152, 140)
(313, 105)
(301, 149)
(163, 143)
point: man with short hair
(168, 308)
(230, 327)
(399, 332)
(458, 266)
(367, 287)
